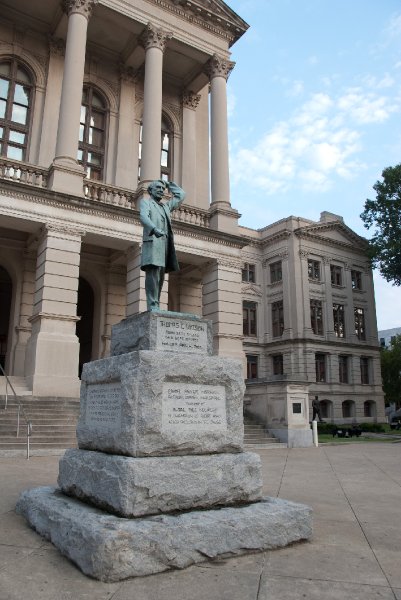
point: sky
(314, 105)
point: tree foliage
(384, 214)
(391, 371)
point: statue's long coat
(159, 252)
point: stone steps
(257, 438)
(53, 421)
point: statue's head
(156, 188)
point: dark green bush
(372, 427)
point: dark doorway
(6, 290)
(86, 301)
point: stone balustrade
(191, 215)
(23, 172)
(108, 194)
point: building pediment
(334, 233)
(214, 15)
(253, 290)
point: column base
(223, 217)
(66, 175)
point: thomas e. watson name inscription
(182, 336)
(194, 407)
(103, 406)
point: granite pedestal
(160, 479)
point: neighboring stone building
(386, 336)
(97, 98)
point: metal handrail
(21, 409)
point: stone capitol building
(99, 97)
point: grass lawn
(327, 438)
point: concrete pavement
(355, 553)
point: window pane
(4, 85)
(165, 142)
(83, 114)
(94, 159)
(21, 94)
(81, 133)
(97, 120)
(15, 153)
(16, 136)
(5, 68)
(95, 137)
(164, 159)
(2, 109)
(1, 132)
(22, 75)
(80, 154)
(164, 177)
(93, 173)
(19, 114)
(97, 100)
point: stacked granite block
(160, 479)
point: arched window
(369, 408)
(92, 133)
(348, 407)
(166, 152)
(16, 94)
(326, 409)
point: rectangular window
(314, 270)
(343, 369)
(320, 364)
(278, 364)
(278, 318)
(251, 366)
(364, 369)
(316, 316)
(276, 273)
(356, 278)
(248, 273)
(339, 320)
(336, 275)
(249, 318)
(359, 315)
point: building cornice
(315, 232)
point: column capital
(190, 99)
(61, 230)
(82, 7)
(154, 37)
(217, 66)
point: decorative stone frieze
(217, 66)
(63, 229)
(304, 254)
(127, 74)
(83, 7)
(190, 100)
(56, 46)
(154, 37)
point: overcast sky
(315, 113)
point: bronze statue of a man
(158, 252)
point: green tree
(391, 371)
(384, 214)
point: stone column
(190, 102)
(66, 175)
(329, 319)
(24, 327)
(126, 175)
(303, 306)
(115, 305)
(52, 101)
(222, 303)
(222, 215)
(154, 41)
(53, 348)
(349, 317)
(136, 295)
(287, 308)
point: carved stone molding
(62, 230)
(218, 66)
(56, 46)
(154, 37)
(127, 74)
(231, 263)
(251, 289)
(304, 254)
(327, 259)
(83, 7)
(190, 100)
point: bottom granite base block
(111, 548)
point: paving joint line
(360, 525)
(382, 470)
(282, 475)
